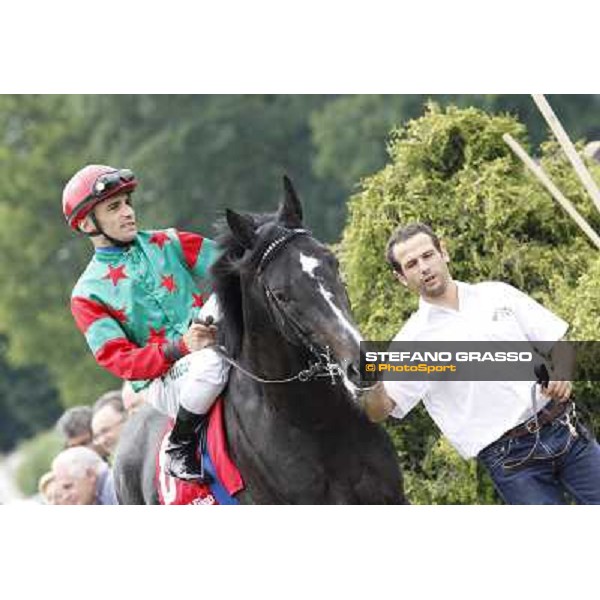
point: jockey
(138, 302)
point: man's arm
(123, 358)
(377, 404)
(563, 366)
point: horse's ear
(290, 210)
(242, 227)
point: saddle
(227, 480)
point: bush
(452, 170)
(580, 306)
(36, 458)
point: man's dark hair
(403, 233)
(74, 422)
(114, 398)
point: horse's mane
(226, 273)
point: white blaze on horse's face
(309, 264)
(339, 314)
(344, 322)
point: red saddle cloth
(175, 491)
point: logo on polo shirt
(503, 313)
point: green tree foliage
(451, 169)
(37, 455)
(39, 151)
(28, 400)
(580, 306)
(197, 155)
(577, 112)
(351, 132)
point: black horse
(293, 413)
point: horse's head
(298, 279)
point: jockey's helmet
(91, 185)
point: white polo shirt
(473, 414)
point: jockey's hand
(199, 336)
(558, 390)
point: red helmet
(92, 185)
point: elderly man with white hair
(82, 477)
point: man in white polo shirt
(492, 420)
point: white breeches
(194, 381)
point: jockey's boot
(182, 461)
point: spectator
(82, 477)
(132, 400)
(75, 426)
(107, 421)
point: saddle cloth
(227, 479)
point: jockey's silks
(134, 304)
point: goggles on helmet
(107, 181)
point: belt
(552, 411)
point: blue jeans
(565, 465)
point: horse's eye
(334, 263)
(281, 297)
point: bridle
(321, 364)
